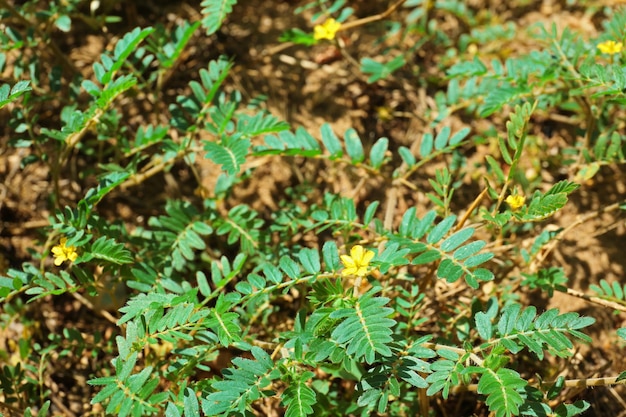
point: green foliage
(501, 389)
(214, 12)
(610, 291)
(544, 205)
(457, 258)
(518, 329)
(547, 280)
(299, 397)
(130, 394)
(378, 70)
(365, 329)
(242, 384)
(8, 94)
(179, 233)
(235, 288)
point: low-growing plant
(393, 297)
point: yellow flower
(326, 30)
(384, 113)
(357, 262)
(515, 201)
(610, 47)
(64, 253)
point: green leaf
(504, 151)
(190, 403)
(441, 230)
(426, 147)
(331, 141)
(354, 147)
(224, 322)
(571, 410)
(498, 97)
(519, 329)
(214, 12)
(495, 167)
(365, 329)
(64, 23)
(259, 124)
(459, 136)
(442, 138)
(544, 206)
(468, 250)
(331, 255)
(423, 225)
(108, 250)
(380, 70)
(310, 259)
(203, 284)
(377, 153)
(467, 69)
(289, 144)
(483, 325)
(289, 267)
(182, 36)
(407, 156)
(230, 156)
(123, 48)
(427, 257)
(298, 36)
(502, 388)
(446, 372)
(242, 384)
(457, 239)
(43, 411)
(478, 259)
(450, 270)
(299, 398)
(8, 94)
(172, 411)
(392, 256)
(107, 184)
(370, 212)
(272, 272)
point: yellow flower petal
(515, 201)
(347, 261)
(63, 253)
(610, 47)
(326, 30)
(357, 253)
(348, 271)
(358, 261)
(367, 257)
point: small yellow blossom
(357, 262)
(610, 47)
(326, 30)
(64, 253)
(515, 201)
(384, 113)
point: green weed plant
(322, 294)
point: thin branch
(596, 300)
(370, 19)
(471, 208)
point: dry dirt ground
(307, 87)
